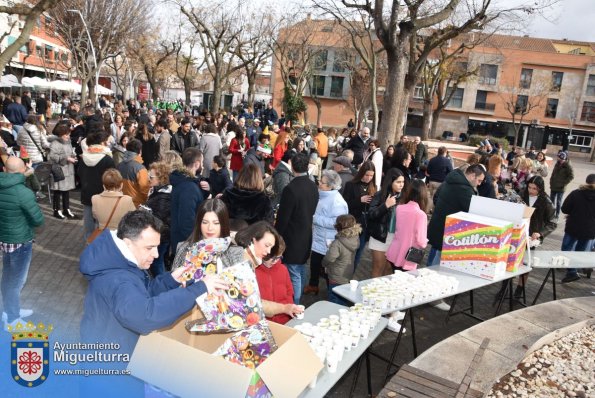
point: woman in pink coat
(411, 225)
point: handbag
(98, 231)
(414, 255)
(56, 170)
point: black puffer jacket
(580, 207)
(160, 204)
(542, 219)
(251, 206)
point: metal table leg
(554, 282)
(356, 376)
(412, 318)
(395, 347)
(549, 272)
(502, 298)
(368, 374)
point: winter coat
(136, 177)
(358, 146)
(186, 197)
(16, 114)
(487, 189)
(421, 154)
(178, 144)
(580, 207)
(352, 193)
(219, 180)
(561, 176)
(339, 258)
(294, 218)
(438, 168)
(61, 150)
(104, 203)
(454, 195)
(379, 217)
(90, 171)
(19, 212)
(210, 146)
(346, 176)
(123, 301)
(149, 150)
(251, 206)
(160, 204)
(543, 217)
(252, 157)
(29, 141)
(330, 206)
(411, 228)
(275, 285)
(163, 143)
(278, 153)
(282, 175)
(321, 141)
(237, 161)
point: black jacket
(219, 181)
(542, 219)
(177, 141)
(486, 189)
(438, 168)
(294, 219)
(352, 193)
(453, 196)
(378, 217)
(358, 146)
(160, 204)
(90, 176)
(251, 206)
(580, 207)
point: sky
(572, 19)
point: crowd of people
(301, 204)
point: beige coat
(103, 204)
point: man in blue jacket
(123, 301)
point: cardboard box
(181, 363)
(476, 245)
(518, 214)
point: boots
(69, 214)
(518, 292)
(59, 215)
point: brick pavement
(55, 290)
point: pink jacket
(410, 230)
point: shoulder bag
(56, 170)
(98, 231)
(414, 255)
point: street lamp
(93, 52)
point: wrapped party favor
(249, 347)
(231, 310)
(201, 258)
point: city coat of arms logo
(30, 353)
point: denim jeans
(14, 275)
(571, 244)
(333, 298)
(363, 238)
(89, 223)
(434, 257)
(557, 198)
(297, 274)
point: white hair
(333, 179)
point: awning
(9, 81)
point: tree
(254, 47)
(519, 101)
(30, 13)
(152, 54)
(398, 26)
(187, 63)
(219, 32)
(110, 23)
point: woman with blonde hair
(111, 201)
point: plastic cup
(353, 285)
(332, 361)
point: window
(521, 104)
(488, 74)
(591, 86)
(551, 108)
(526, 76)
(39, 51)
(418, 92)
(557, 80)
(588, 112)
(48, 52)
(481, 101)
(337, 86)
(320, 59)
(581, 140)
(342, 61)
(64, 57)
(293, 55)
(456, 101)
(462, 67)
(317, 88)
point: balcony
(485, 106)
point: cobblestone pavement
(55, 290)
